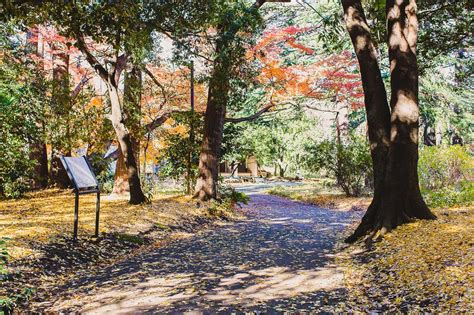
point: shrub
(227, 193)
(15, 166)
(103, 172)
(446, 175)
(441, 166)
(349, 163)
(6, 304)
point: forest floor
(275, 254)
(425, 266)
(279, 257)
(42, 257)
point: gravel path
(278, 258)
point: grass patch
(321, 193)
(129, 238)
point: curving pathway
(278, 258)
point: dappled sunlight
(273, 283)
(315, 192)
(44, 215)
(280, 255)
(429, 262)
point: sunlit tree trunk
(393, 135)
(132, 110)
(126, 146)
(61, 107)
(206, 184)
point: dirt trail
(278, 258)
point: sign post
(84, 181)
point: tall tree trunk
(206, 185)
(126, 145)
(393, 136)
(61, 104)
(132, 111)
(402, 197)
(38, 153)
(219, 85)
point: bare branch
(251, 117)
(79, 86)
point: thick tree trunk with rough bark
(206, 185)
(219, 85)
(218, 95)
(126, 146)
(393, 135)
(132, 110)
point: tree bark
(206, 185)
(38, 153)
(218, 95)
(132, 111)
(126, 146)
(111, 78)
(393, 135)
(219, 85)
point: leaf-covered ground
(38, 233)
(321, 193)
(425, 266)
(278, 258)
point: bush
(229, 194)
(350, 163)
(15, 166)
(441, 166)
(6, 304)
(446, 175)
(103, 172)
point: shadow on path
(278, 258)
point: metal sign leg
(76, 216)
(97, 210)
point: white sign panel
(79, 169)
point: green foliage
(279, 141)
(233, 196)
(349, 163)
(179, 147)
(228, 198)
(446, 175)
(103, 172)
(18, 109)
(448, 104)
(148, 187)
(6, 304)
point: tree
(393, 131)
(127, 36)
(228, 51)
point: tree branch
(155, 80)
(91, 59)
(79, 86)
(321, 110)
(251, 117)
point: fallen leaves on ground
(317, 193)
(425, 266)
(38, 230)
